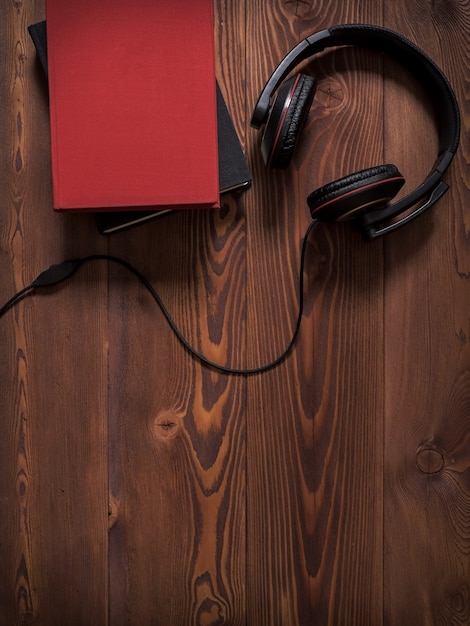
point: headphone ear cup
(286, 120)
(367, 189)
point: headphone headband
(426, 72)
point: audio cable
(59, 272)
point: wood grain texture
(138, 487)
(427, 302)
(53, 456)
(315, 492)
(177, 448)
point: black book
(234, 172)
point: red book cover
(132, 104)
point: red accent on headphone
(348, 193)
(282, 120)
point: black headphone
(362, 196)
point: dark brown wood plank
(177, 429)
(53, 460)
(314, 425)
(176, 437)
(427, 452)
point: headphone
(362, 197)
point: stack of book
(139, 127)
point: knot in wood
(330, 93)
(166, 425)
(430, 460)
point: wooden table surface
(139, 487)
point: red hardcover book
(132, 104)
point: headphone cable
(61, 271)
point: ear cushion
(358, 192)
(286, 120)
